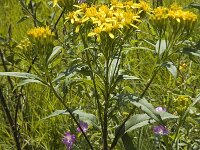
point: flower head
(183, 66)
(181, 103)
(105, 19)
(160, 130)
(40, 33)
(84, 126)
(160, 109)
(69, 139)
(174, 18)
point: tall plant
(101, 32)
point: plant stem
(117, 136)
(10, 120)
(106, 98)
(71, 113)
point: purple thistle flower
(160, 130)
(69, 139)
(84, 126)
(160, 109)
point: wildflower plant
(172, 25)
(96, 36)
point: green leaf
(194, 5)
(191, 105)
(127, 77)
(86, 117)
(127, 142)
(141, 120)
(148, 109)
(22, 19)
(191, 51)
(27, 81)
(114, 66)
(56, 113)
(55, 51)
(70, 72)
(143, 104)
(161, 46)
(20, 75)
(171, 68)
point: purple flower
(69, 139)
(160, 109)
(160, 130)
(81, 1)
(84, 126)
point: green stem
(106, 98)
(71, 113)
(131, 113)
(95, 90)
(11, 121)
(150, 81)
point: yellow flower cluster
(174, 16)
(24, 44)
(175, 13)
(182, 66)
(107, 19)
(40, 33)
(181, 103)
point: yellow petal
(55, 2)
(111, 35)
(98, 38)
(77, 29)
(178, 20)
(91, 34)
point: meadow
(99, 75)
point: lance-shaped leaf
(86, 117)
(70, 72)
(171, 68)
(197, 99)
(20, 75)
(161, 46)
(143, 104)
(127, 142)
(191, 51)
(141, 120)
(194, 5)
(27, 81)
(55, 51)
(148, 109)
(56, 113)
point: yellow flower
(175, 7)
(73, 17)
(182, 66)
(24, 44)
(104, 18)
(97, 31)
(181, 103)
(160, 13)
(40, 33)
(129, 17)
(180, 15)
(144, 6)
